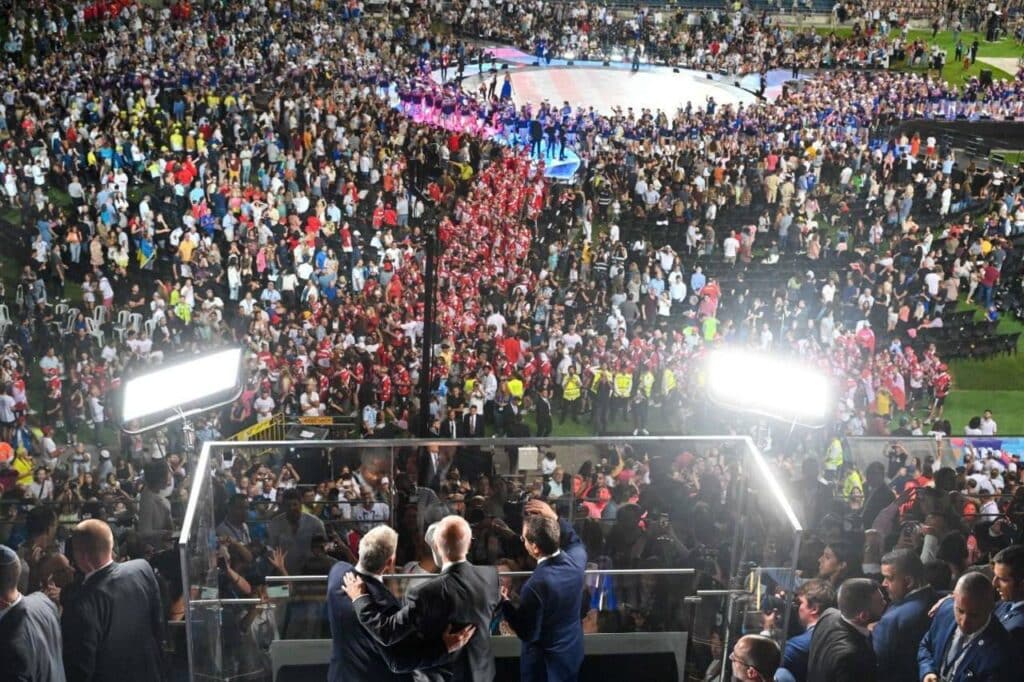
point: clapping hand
(455, 640)
(353, 586)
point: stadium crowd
(185, 179)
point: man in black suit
(841, 648)
(113, 620)
(433, 468)
(463, 595)
(451, 427)
(472, 424)
(544, 423)
(30, 640)
(356, 655)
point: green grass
(953, 73)
(1006, 406)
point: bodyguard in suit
(355, 654)
(841, 644)
(814, 597)
(547, 619)
(432, 468)
(30, 641)
(1008, 579)
(113, 620)
(472, 424)
(463, 595)
(544, 422)
(904, 624)
(965, 642)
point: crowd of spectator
(184, 179)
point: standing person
(547, 619)
(292, 532)
(30, 639)
(1008, 579)
(841, 645)
(964, 641)
(113, 619)
(904, 624)
(463, 595)
(356, 655)
(813, 598)
(544, 423)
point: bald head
(973, 602)
(92, 545)
(452, 537)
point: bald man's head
(92, 545)
(452, 537)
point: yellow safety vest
(571, 389)
(647, 382)
(668, 381)
(623, 384)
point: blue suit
(1011, 617)
(547, 619)
(901, 629)
(988, 658)
(796, 654)
(356, 656)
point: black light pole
(427, 350)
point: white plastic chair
(5, 316)
(94, 330)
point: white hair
(376, 548)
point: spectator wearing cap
(905, 622)
(30, 634)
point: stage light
(767, 385)
(185, 388)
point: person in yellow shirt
(622, 389)
(572, 391)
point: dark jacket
(988, 658)
(30, 641)
(901, 629)
(839, 652)
(1012, 620)
(547, 619)
(355, 654)
(463, 594)
(113, 626)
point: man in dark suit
(904, 624)
(461, 596)
(814, 597)
(547, 619)
(544, 423)
(433, 468)
(451, 427)
(841, 645)
(472, 424)
(30, 641)
(356, 655)
(1008, 579)
(964, 641)
(113, 620)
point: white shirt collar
(545, 558)
(92, 573)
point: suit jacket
(356, 656)
(794, 658)
(1012, 619)
(901, 629)
(988, 658)
(839, 652)
(113, 626)
(477, 432)
(429, 477)
(463, 594)
(30, 641)
(452, 428)
(547, 619)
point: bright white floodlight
(767, 385)
(185, 388)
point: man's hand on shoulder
(353, 586)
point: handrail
(506, 574)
